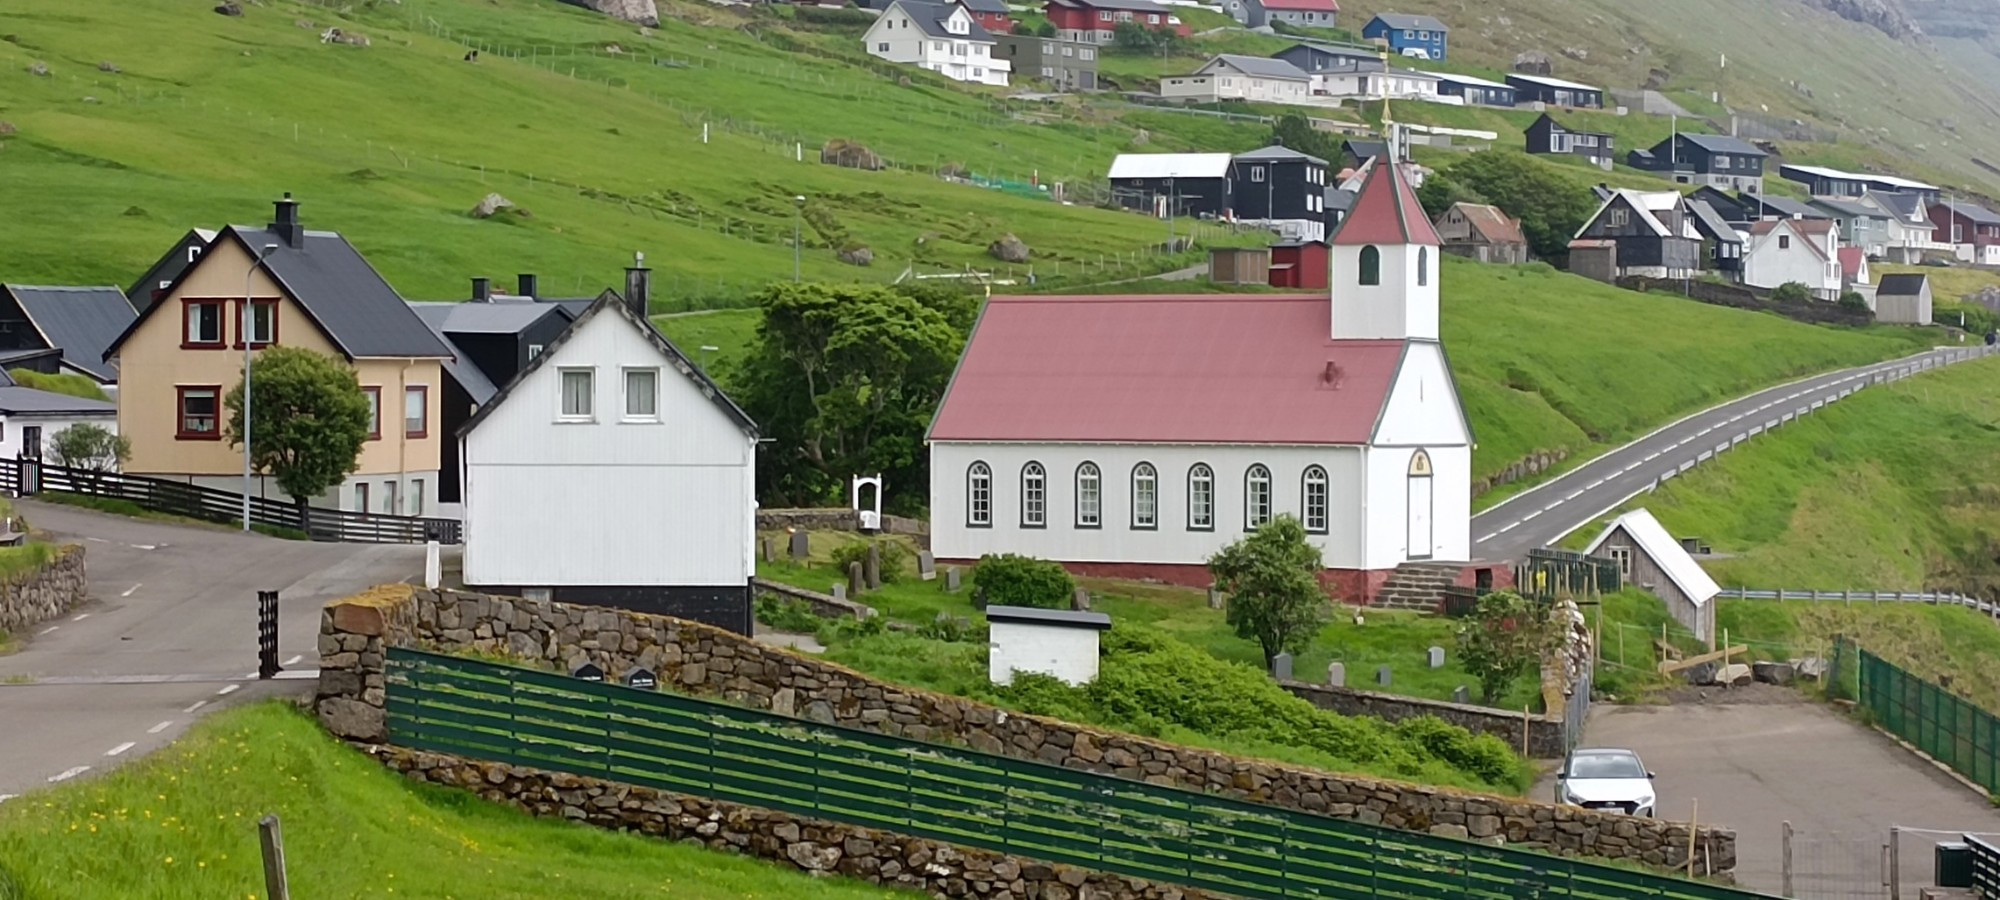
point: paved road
(1752, 767)
(166, 601)
(1543, 515)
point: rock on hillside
(643, 12)
(1886, 16)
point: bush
(787, 615)
(1010, 580)
(953, 629)
(892, 553)
(1854, 301)
(1791, 292)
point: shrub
(787, 615)
(892, 553)
(1010, 580)
(1791, 292)
(1854, 301)
(952, 629)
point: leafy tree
(1792, 292)
(1295, 131)
(1440, 191)
(309, 418)
(89, 446)
(1507, 635)
(1852, 300)
(1133, 37)
(843, 380)
(1550, 205)
(1272, 578)
(1045, 28)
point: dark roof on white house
(987, 6)
(80, 321)
(1712, 224)
(1722, 143)
(1339, 198)
(1029, 615)
(460, 367)
(17, 400)
(1260, 66)
(1279, 152)
(1784, 206)
(1909, 208)
(1901, 285)
(484, 317)
(1853, 209)
(1403, 22)
(931, 18)
(612, 301)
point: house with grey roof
(1283, 189)
(80, 322)
(1419, 37)
(1229, 76)
(151, 285)
(945, 38)
(1768, 206)
(1716, 160)
(1861, 225)
(1910, 230)
(30, 419)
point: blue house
(1421, 37)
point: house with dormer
(942, 37)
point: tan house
(1482, 232)
(184, 354)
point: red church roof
(1386, 212)
(1206, 368)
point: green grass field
(183, 824)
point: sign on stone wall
(643, 679)
(589, 672)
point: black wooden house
(1548, 137)
(1282, 187)
(1173, 184)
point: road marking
(129, 590)
(1649, 458)
(68, 774)
(1631, 467)
(228, 689)
(144, 546)
(121, 748)
(1594, 484)
(6, 797)
(49, 629)
(294, 660)
(79, 617)
(197, 705)
(98, 540)
(1508, 528)
(1572, 496)
(1532, 515)
(1489, 537)
(160, 727)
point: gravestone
(951, 577)
(1435, 656)
(589, 672)
(1081, 601)
(770, 548)
(872, 568)
(1336, 674)
(1382, 676)
(855, 580)
(1461, 695)
(840, 590)
(1214, 597)
(1281, 667)
(926, 565)
(643, 679)
(801, 547)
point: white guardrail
(1933, 598)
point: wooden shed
(1648, 557)
(1299, 264)
(1239, 265)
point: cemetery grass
(182, 824)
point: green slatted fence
(699, 747)
(1948, 727)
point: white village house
(30, 418)
(611, 471)
(1137, 435)
(1786, 250)
(941, 37)
(1233, 77)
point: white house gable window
(578, 388)
(1145, 496)
(1201, 498)
(642, 395)
(979, 496)
(1256, 497)
(1089, 496)
(1315, 500)
(1034, 496)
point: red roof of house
(1205, 368)
(1850, 262)
(1304, 5)
(1386, 211)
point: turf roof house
(30, 417)
(1136, 435)
(611, 471)
(313, 290)
(77, 323)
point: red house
(1093, 21)
(991, 15)
(1299, 264)
(1971, 229)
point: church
(1134, 436)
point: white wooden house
(1807, 251)
(1648, 557)
(1136, 435)
(941, 37)
(611, 471)
(1249, 78)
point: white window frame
(1089, 496)
(979, 495)
(1145, 497)
(1257, 492)
(625, 388)
(1201, 497)
(1313, 500)
(589, 412)
(1257, 174)
(1034, 495)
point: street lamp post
(797, 221)
(245, 335)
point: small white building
(1253, 79)
(1904, 299)
(611, 471)
(1648, 557)
(941, 37)
(1058, 643)
(1910, 230)
(1134, 436)
(30, 418)
(1374, 83)
(1781, 251)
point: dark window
(1371, 265)
(374, 395)
(1201, 498)
(202, 326)
(1089, 496)
(1145, 496)
(1315, 500)
(200, 409)
(1423, 266)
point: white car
(1610, 780)
(1417, 52)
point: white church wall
(1116, 540)
(1398, 307)
(1423, 408)
(1388, 510)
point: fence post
(272, 842)
(1895, 873)
(267, 635)
(1786, 856)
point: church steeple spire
(1384, 261)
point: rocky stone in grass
(856, 256)
(490, 205)
(1811, 668)
(6, 128)
(1735, 675)
(638, 12)
(229, 8)
(109, 66)
(1772, 672)
(1008, 249)
(38, 69)
(849, 154)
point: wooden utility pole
(274, 859)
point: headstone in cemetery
(801, 547)
(589, 672)
(951, 577)
(1081, 601)
(770, 549)
(840, 590)
(926, 565)
(1336, 674)
(643, 679)
(1461, 695)
(1281, 667)
(1435, 657)
(856, 582)
(1382, 676)
(1214, 597)
(872, 568)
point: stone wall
(700, 660)
(1544, 733)
(41, 594)
(826, 606)
(932, 868)
(835, 518)
(1526, 467)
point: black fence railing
(28, 477)
(1985, 866)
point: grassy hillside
(1890, 489)
(394, 143)
(182, 824)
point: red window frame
(188, 341)
(424, 391)
(181, 431)
(375, 426)
(268, 302)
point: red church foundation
(1358, 587)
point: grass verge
(119, 507)
(182, 825)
